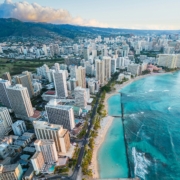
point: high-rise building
(60, 83)
(134, 69)
(57, 66)
(48, 149)
(86, 53)
(38, 162)
(6, 76)
(107, 67)
(56, 49)
(45, 72)
(63, 67)
(99, 66)
(168, 60)
(1, 51)
(5, 122)
(91, 86)
(44, 48)
(19, 127)
(20, 101)
(113, 66)
(80, 97)
(51, 50)
(44, 130)
(73, 84)
(60, 114)
(3, 93)
(11, 172)
(89, 68)
(73, 71)
(26, 80)
(81, 76)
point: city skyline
(153, 14)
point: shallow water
(112, 159)
(112, 154)
(152, 128)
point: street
(82, 150)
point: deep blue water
(152, 128)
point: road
(82, 150)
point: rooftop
(50, 92)
(9, 168)
(48, 126)
(36, 114)
(57, 104)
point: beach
(105, 124)
(107, 121)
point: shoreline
(101, 136)
(105, 125)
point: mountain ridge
(15, 27)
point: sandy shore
(106, 122)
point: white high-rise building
(80, 97)
(20, 101)
(1, 51)
(89, 68)
(42, 71)
(48, 149)
(94, 53)
(19, 127)
(44, 130)
(57, 66)
(73, 71)
(3, 93)
(60, 114)
(26, 80)
(91, 86)
(113, 66)
(87, 94)
(107, 67)
(168, 60)
(60, 83)
(81, 76)
(44, 48)
(38, 162)
(5, 122)
(56, 49)
(134, 69)
(99, 66)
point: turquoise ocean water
(152, 128)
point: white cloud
(34, 12)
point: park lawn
(18, 66)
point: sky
(133, 14)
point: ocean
(151, 125)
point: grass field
(18, 66)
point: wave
(169, 108)
(140, 164)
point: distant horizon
(140, 15)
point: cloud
(34, 12)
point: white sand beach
(105, 124)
